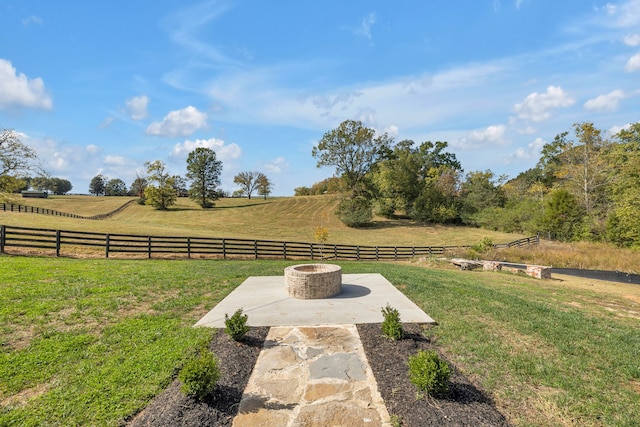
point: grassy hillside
(295, 219)
(290, 218)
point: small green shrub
(200, 375)
(236, 325)
(429, 373)
(391, 325)
(355, 212)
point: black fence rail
(10, 207)
(80, 242)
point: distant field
(289, 218)
(295, 219)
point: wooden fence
(10, 207)
(79, 242)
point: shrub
(236, 325)
(200, 375)
(429, 373)
(391, 325)
(355, 212)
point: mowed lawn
(91, 341)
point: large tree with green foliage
(353, 150)
(160, 191)
(115, 187)
(481, 190)
(203, 170)
(97, 185)
(421, 181)
(623, 223)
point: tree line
(157, 188)
(585, 186)
(160, 189)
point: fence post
(255, 248)
(358, 253)
(188, 247)
(311, 249)
(377, 259)
(106, 246)
(224, 250)
(395, 253)
(57, 243)
(284, 249)
(3, 234)
(149, 247)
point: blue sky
(102, 87)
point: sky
(103, 87)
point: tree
(480, 191)
(16, 158)
(180, 185)
(137, 187)
(248, 182)
(60, 186)
(562, 215)
(623, 223)
(421, 181)
(96, 186)
(160, 192)
(115, 187)
(264, 185)
(584, 169)
(203, 170)
(353, 150)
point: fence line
(10, 207)
(75, 242)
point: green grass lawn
(89, 342)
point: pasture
(91, 341)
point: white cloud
(92, 149)
(615, 129)
(32, 20)
(633, 64)
(107, 122)
(531, 151)
(492, 135)
(179, 123)
(276, 165)
(608, 102)
(223, 152)
(115, 160)
(17, 90)
(537, 107)
(137, 107)
(364, 30)
(632, 40)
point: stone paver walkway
(312, 376)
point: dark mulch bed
(465, 405)
(172, 408)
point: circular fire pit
(313, 281)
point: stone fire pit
(313, 281)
